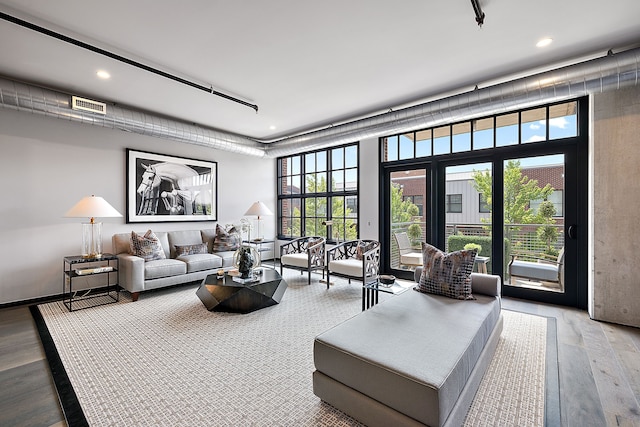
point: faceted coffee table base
(229, 296)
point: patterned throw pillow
(446, 274)
(147, 247)
(226, 240)
(312, 242)
(191, 249)
(363, 247)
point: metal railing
(522, 238)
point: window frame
(449, 203)
(323, 222)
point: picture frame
(164, 188)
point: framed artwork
(163, 188)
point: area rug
(167, 361)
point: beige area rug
(167, 361)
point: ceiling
(306, 65)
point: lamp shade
(92, 207)
(258, 209)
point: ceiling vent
(85, 104)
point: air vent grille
(85, 104)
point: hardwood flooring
(598, 363)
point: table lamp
(258, 209)
(92, 207)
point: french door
(523, 210)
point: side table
(258, 245)
(76, 266)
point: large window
(318, 194)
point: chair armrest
(131, 272)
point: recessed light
(103, 74)
(272, 127)
(544, 42)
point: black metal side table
(76, 266)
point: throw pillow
(200, 248)
(147, 247)
(312, 242)
(446, 274)
(226, 240)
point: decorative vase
(245, 262)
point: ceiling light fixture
(103, 74)
(120, 58)
(544, 42)
(478, 11)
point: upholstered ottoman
(415, 359)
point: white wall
(369, 162)
(47, 165)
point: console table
(77, 266)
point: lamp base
(92, 240)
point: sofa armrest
(486, 284)
(131, 272)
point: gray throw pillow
(147, 247)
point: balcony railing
(521, 238)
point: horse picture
(173, 189)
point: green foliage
(316, 213)
(547, 233)
(414, 232)
(457, 242)
(519, 191)
(402, 211)
(472, 246)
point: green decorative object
(472, 246)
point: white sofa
(135, 275)
(415, 359)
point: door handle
(572, 232)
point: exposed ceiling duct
(34, 99)
(610, 72)
(597, 75)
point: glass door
(406, 209)
(540, 239)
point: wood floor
(599, 370)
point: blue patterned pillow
(147, 247)
(446, 274)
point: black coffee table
(230, 296)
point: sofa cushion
(183, 238)
(226, 240)
(295, 259)
(200, 248)
(200, 262)
(446, 274)
(349, 267)
(164, 268)
(147, 247)
(394, 354)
